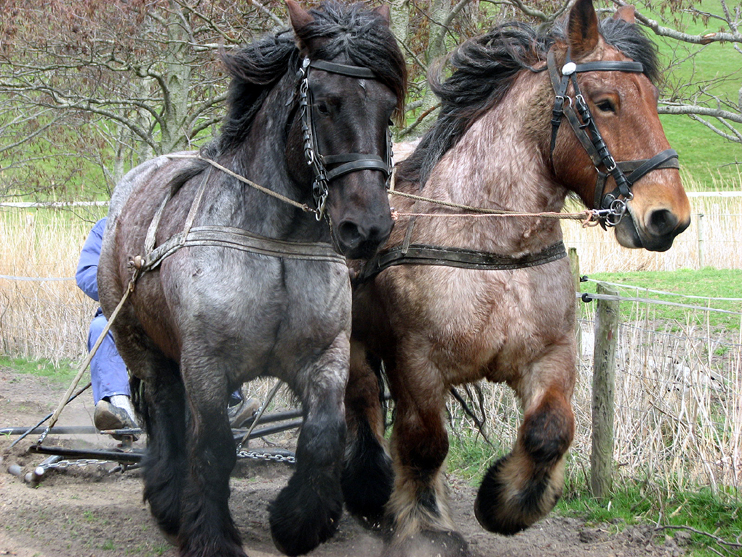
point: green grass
(64, 372)
(714, 283)
(644, 502)
(469, 457)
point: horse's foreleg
(524, 486)
(207, 528)
(368, 477)
(307, 511)
(418, 512)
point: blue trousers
(107, 370)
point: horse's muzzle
(361, 241)
(655, 232)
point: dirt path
(85, 511)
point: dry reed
(711, 240)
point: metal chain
(255, 455)
(78, 463)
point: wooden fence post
(604, 386)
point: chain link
(82, 462)
(289, 459)
(78, 463)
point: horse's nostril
(349, 233)
(662, 222)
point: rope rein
(588, 216)
(303, 206)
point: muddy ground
(87, 511)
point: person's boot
(241, 413)
(109, 416)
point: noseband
(610, 207)
(344, 163)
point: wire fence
(678, 399)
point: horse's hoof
(300, 519)
(428, 543)
(505, 510)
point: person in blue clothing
(113, 409)
(109, 376)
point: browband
(342, 69)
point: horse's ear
(582, 29)
(627, 13)
(300, 18)
(384, 12)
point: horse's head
(603, 85)
(354, 78)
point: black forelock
(364, 37)
(352, 30)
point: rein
(611, 206)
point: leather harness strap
(241, 240)
(577, 112)
(416, 254)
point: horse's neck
(498, 164)
(262, 159)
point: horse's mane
(352, 30)
(484, 68)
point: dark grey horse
(242, 284)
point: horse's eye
(606, 106)
(322, 108)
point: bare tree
(102, 84)
(699, 99)
(141, 76)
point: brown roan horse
(492, 297)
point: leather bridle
(610, 206)
(343, 163)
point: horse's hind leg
(368, 477)
(162, 405)
(207, 528)
(524, 486)
(307, 511)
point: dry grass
(42, 319)
(712, 240)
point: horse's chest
(491, 324)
